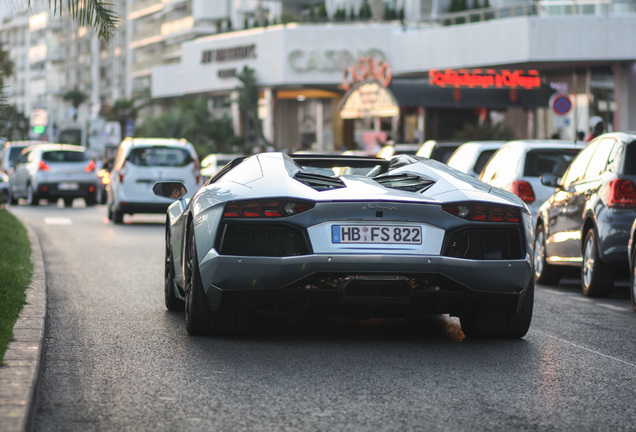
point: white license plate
(68, 186)
(376, 234)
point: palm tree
(98, 14)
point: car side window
(24, 157)
(578, 166)
(598, 162)
(502, 161)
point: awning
(419, 93)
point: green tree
(98, 14)
(248, 106)
(76, 97)
(485, 131)
(13, 124)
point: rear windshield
(160, 156)
(540, 162)
(63, 156)
(14, 153)
(630, 159)
(483, 159)
(442, 154)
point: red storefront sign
(485, 78)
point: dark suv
(586, 223)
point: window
(63, 156)
(552, 161)
(599, 160)
(160, 156)
(579, 165)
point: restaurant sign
(485, 78)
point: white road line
(616, 308)
(58, 221)
(584, 348)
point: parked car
(438, 150)
(212, 163)
(471, 157)
(632, 264)
(4, 189)
(53, 171)
(140, 162)
(10, 154)
(518, 165)
(278, 231)
(586, 223)
(390, 150)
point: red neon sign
(488, 78)
(367, 68)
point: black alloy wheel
(197, 312)
(173, 303)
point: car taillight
(43, 166)
(90, 167)
(622, 193)
(265, 208)
(120, 173)
(484, 212)
(523, 190)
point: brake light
(622, 193)
(266, 208)
(90, 167)
(484, 212)
(523, 190)
(120, 173)
(43, 166)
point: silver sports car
(348, 236)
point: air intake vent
(319, 182)
(484, 244)
(275, 240)
(405, 182)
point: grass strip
(16, 270)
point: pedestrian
(597, 127)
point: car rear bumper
(384, 284)
(58, 190)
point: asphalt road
(116, 359)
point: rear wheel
(597, 278)
(32, 197)
(199, 318)
(118, 216)
(511, 322)
(12, 199)
(544, 273)
(173, 303)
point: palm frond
(98, 14)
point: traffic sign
(561, 103)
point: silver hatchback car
(53, 171)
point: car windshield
(540, 162)
(63, 156)
(14, 153)
(160, 156)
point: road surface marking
(616, 308)
(584, 348)
(58, 221)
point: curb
(20, 377)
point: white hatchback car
(518, 166)
(139, 164)
(472, 157)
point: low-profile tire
(173, 303)
(200, 320)
(68, 202)
(597, 278)
(32, 197)
(632, 280)
(544, 273)
(510, 323)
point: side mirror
(550, 180)
(169, 189)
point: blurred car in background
(11, 151)
(518, 165)
(4, 189)
(53, 171)
(587, 222)
(632, 264)
(212, 163)
(140, 163)
(438, 150)
(390, 150)
(471, 157)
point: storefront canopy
(420, 93)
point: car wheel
(32, 197)
(597, 278)
(173, 303)
(632, 281)
(118, 216)
(12, 199)
(68, 202)
(544, 273)
(511, 322)
(199, 318)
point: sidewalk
(20, 377)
